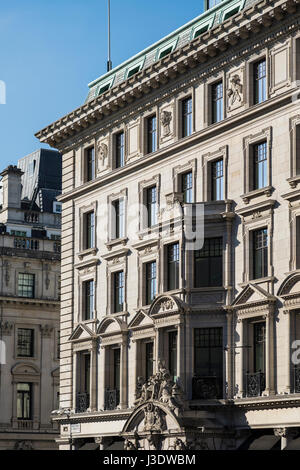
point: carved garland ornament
(160, 387)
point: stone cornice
(99, 416)
(31, 302)
(200, 50)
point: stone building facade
(169, 344)
(30, 218)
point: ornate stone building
(30, 218)
(168, 344)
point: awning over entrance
(90, 446)
(266, 442)
(258, 441)
(293, 445)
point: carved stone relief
(102, 155)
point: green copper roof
(166, 45)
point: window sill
(89, 251)
(266, 191)
(293, 182)
(118, 241)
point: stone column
(270, 386)
(93, 391)
(158, 348)
(123, 378)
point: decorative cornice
(197, 51)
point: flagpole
(109, 63)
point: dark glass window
(217, 102)
(90, 230)
(260, 81)
(89, 293)
(173, 355)
(151, 134)
(259, 340)
(217, 186)
(209, 264)
(152, 206)
(173, 266)
(25, 346)
(230, 13)
(151, 282)
(187, 117)
(208, 352)
(187, 187)
(87, 373)
(260, 253)
(149, 360)
(260, 165)
(165, 52)
(119, 218)
(120, 155)
(26, 285)
(90, 164)
(119, 292)
(24, 401)
(117, 368)
(201, 31)
(133, 71)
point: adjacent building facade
(30, 240)
(168, 343)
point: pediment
(141, 319)
(25, 369)
(111, 326)
(166, 304)
(253, 294)
(290, 286)
(81, 332)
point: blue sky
(51, 49)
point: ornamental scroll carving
(160, 387)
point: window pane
(260, 253)
(259, 332)
(208, 267)
(25, 342)
(26, 285)
(260, 165)
(259, 80)
(187, 187)
(90, 230)
(217, 102)
(90, 164)
(118, 291)
(208, 352)
(119, 208)
(173, 355)
(24, 401)
(151, 283)
(89, 290)
(152, 134)
(152, 206)
(173, 266)
(117, 369)
(120, 157)
(187, 114)
(217, 180)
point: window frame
(32, 276)
(32, 343)
(211, 263)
